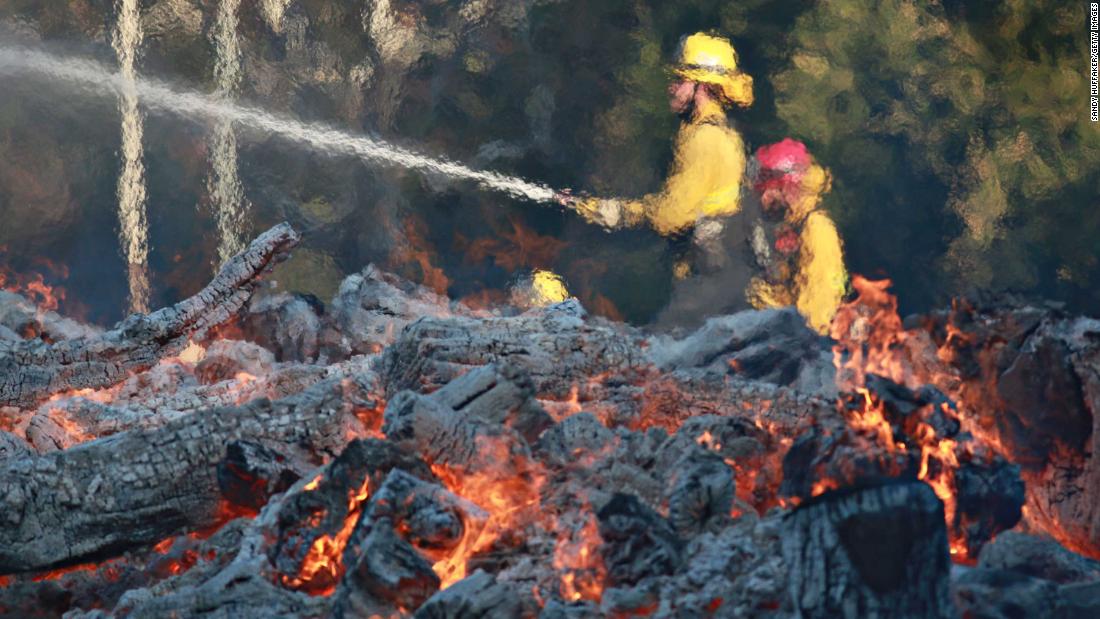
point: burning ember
(414, 456)
(873, 349)
(322, 563)
(578, 560)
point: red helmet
(781, 165)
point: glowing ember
(323, 563)
(512, 502)
(192, 354)
(577, 558)
(871, 340)
(706, 440)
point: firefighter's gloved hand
(707, 240)
(600, 211)
(565, 198)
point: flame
(580, 564)
(323, 563)
(513, 250)
(511, 500)
(871, 419)
(413, 257)
(33, 286)
(872, 340)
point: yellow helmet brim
(736, 87)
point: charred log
(637, 542)
(372, 308)
(164, 394)
(12, 447)
(287, 325)
(460, 438)
(503, 395)
(32, 370)
(21, 319)
(251, 473)
(430, 518)
(478, 595)
(1002, 593)
(385, 573)
(701, 495)
(312, 526)
(1031, 377)
(1038, 557)
(139, 487)
(556, 347)
(877, 552)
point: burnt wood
(878, 552)
(139, 487)
(33, 370)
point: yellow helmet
(539, 289)
(712, 60)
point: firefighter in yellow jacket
(795, 243)
(705, 184)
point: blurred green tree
(983, 103)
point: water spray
(132, 220)
(98, 79)
(223, 184)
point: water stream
(93, 78)
(133, 226)
(223, 183)
(273, 11)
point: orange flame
(870, 334)
(33, 286)
(323, 563)
(512, 501)
(581, 566)
(515, 249)
(413, 257)
(871, 340)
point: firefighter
(795, 243)
(704, 187)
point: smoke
(95, 79)
(223, 184)
(133, 227)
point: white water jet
(133, 228)
(97, 79)
(223, 184)
(273, 11)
